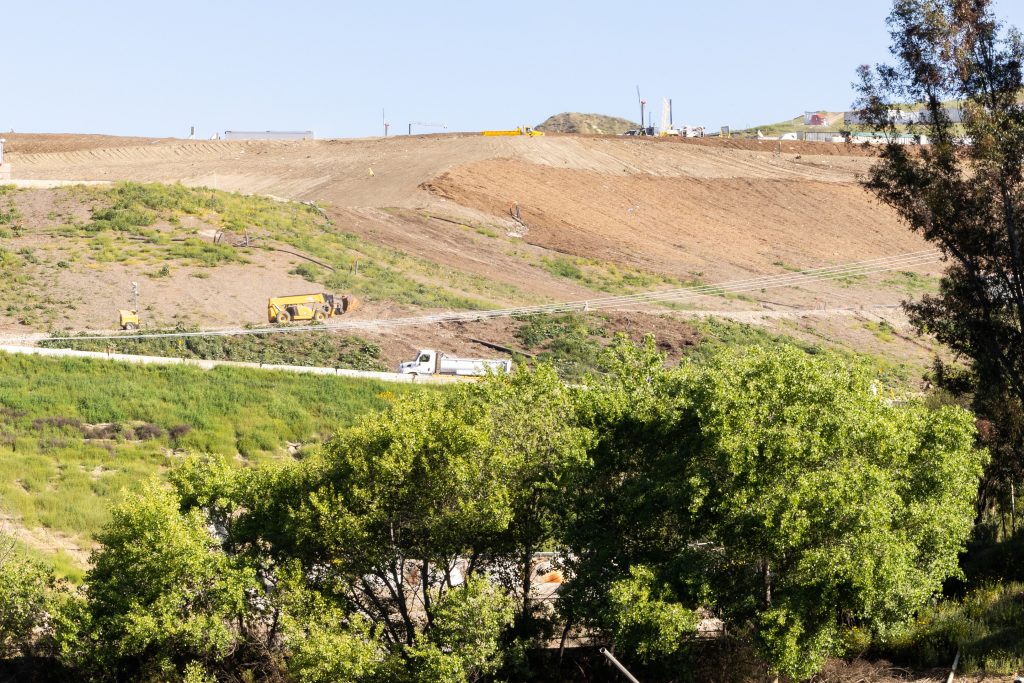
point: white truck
(430, 362)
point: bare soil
(710, 210)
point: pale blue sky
(155, 68)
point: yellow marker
(371, 172)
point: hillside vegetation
(57, 245)
(74, 433)
(404, 548)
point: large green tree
(964, 192)
(161, 596)
(776, 488)
(396, 518)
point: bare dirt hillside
(592, 209)
(677, 224)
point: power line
(678, 295)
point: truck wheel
(318, 315)
(130, 326)
(283, 317)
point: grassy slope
(73, 432)
(156, 228)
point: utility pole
(384, 121)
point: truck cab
(430, 362)
(425, 363)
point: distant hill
(587, 124)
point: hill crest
(586, 124)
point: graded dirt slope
(679, 225)
(704, 210)
(671, 204)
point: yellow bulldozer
(299, 307)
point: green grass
(145, 223)
(573, 342)
(607, 277)
(912, 283)
(75, 432)
(319, 349)
(64, 566)
(717, 333)
(882, 330)
(985, 626)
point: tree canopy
(964, 192)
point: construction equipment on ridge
(523, 130)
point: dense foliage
(777, 491)
(964, 192)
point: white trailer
(430, 362)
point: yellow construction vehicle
(129, 319)
(518, 131)
(319, 306)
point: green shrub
(985, 626)
(308, 271)
(563, 267)
(25, 601)
(206, 253)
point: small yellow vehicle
(518, 131)
(298, 307)
(129, 320)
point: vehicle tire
(131, 326)
(318, 316)
(283, 318)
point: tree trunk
(767, 573)
(424, 580)
(527, 582)
(1013, 509)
